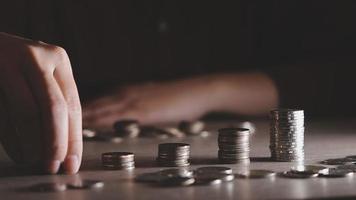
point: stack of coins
(173, 154)
(287, 135)
(234, 145)
(118, 160)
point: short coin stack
(118, 160)
(234, 145)
(173, 154)
(287, 135)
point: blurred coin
(176, 172)
(349, 167)
(191, 128)
(86, 184)
(88, 134)
(49, 187)
(312, 168)
(127, 128)
(177, 181)
(337, 161)
(212, 178)
(336, 173)
(299, 174)
(223, 170)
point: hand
(40, 112)
(152, 103)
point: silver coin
(176, 172)
(336, 173)
(223, 170)
(177, 181)
(290, 174)
(349, 167)
(49, 187)
(127, 128)
(86, 184)
(257, 173)
(213, 178)
(337, 161)
(191, 128)
(88, 134)
(312, 168)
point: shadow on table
(328, 198)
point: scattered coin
(349, 167)
(49, 187)
(191, 128)
(312, 168)
(223, 170)
(287, 135)
(212, 178)
(337, 161)
(336, 173)
(257, 173)
(127, 128)
(234, 145)
(176, 181)
(173, 154)
(88, 134)
(118, 160)
(299, 174)
(86, 184)
(176, 172)
(154, 132)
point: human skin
(251, 93)
(40, 111)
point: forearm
(251, 93)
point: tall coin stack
(234, 145)
(118, 160)
(173, 154)
(287, 135)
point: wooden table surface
(323, 139)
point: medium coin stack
(118, 160)
(234, 145)
(173, 154)
(287, 135)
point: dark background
(308, 47)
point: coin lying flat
(223, 170)
(338, 161)
(86, 184)
(49, 187)
(88, 134)
(177, 181)
(257, 173)
(349, 167)
(176, 172)
(336, 173)
(312, 168)
(212, 178)
(303, 174)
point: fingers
(22, 113)
(54, 110)
(64, 76)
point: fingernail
(53, 166)
(71, 164)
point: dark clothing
(307, 47)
